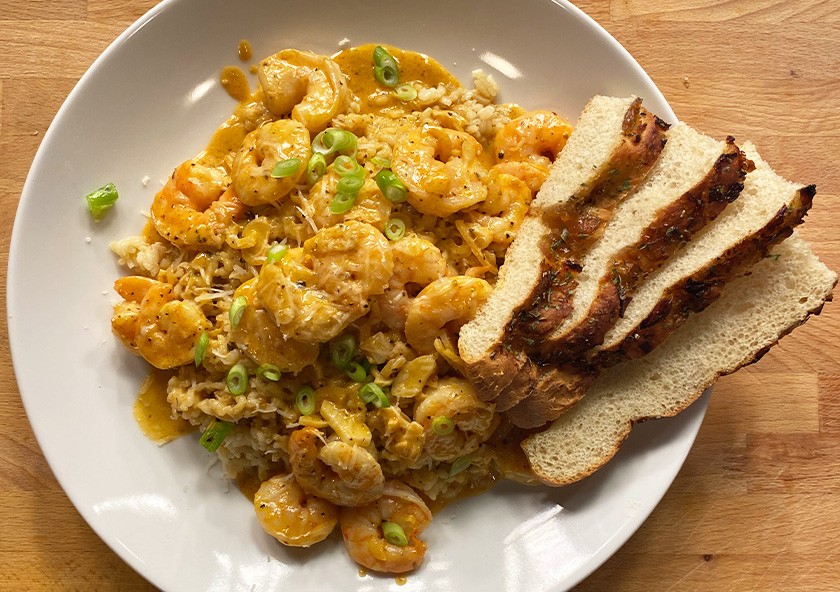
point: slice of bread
(766, 212)
(694, 179)
(754, 312)
(612, 148)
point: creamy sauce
(153, 412)
(244, 50)
(235, 83)
(357, 64)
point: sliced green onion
(215, 434)
(237, 309)
(382, 163)
(390, 186)
(305, 401)
(395, 229)
(269, 372)
(405, 92)
(237, 379)
(332, 141)
(285, 168)
(349, 184)
(201, 348)
(443, 426)
(356, 372)
(394, 534)
(385, 68)
(276, 252)
(373, 393)
(347, 166)
(460, 465)
(342, 202)
(343, 350)
(101, 200)
(315, 168)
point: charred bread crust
(702, 288)
(556, 389)
(686, 403)
(673, 227)
(505, 369)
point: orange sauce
(244, 50)
(235, 83)
(153, 412)
(401, 580)
(248, 483)
(357, 64)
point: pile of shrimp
(320, 303)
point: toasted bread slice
(694, 179)
(754, 312)
(612, 148)
(766, 212)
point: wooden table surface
(757, 504)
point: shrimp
(536, 137)
(315, 292)
(264, 342)
(310, 87)
(291, 516)
(448, 302)
(366, 544)
(158, 327)
(341, 473)
(370, 206)
(261, 150)
(195, 207)
(351, 260)
(440, 168)
(417, 263)
(474, 420)
(500, 215)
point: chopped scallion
(394, 534)
(215, 434)
(405, 92)
(305, 401)
(373, 393)
(285, 168)
(385, 68)
(315, 168)
(356, 372)
(460, 465)
(101, 200)
(443, 426)
(390, 186)
(347, 166)
(349, 185)
(342, 202)
(395, 229)
(276, 252)
(269, 372)
(342, 350)
(237, 309)
(334, 141)
(382, 163)
(237, 379)
(201, 348)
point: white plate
(148, 103)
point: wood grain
(756, 506)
